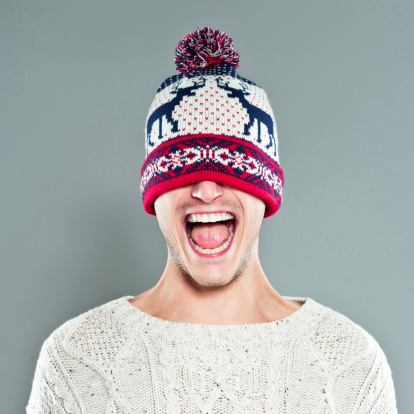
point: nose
(207, 191)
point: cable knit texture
(117, 359)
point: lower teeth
(212, 251)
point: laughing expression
(211, 231)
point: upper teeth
(208, 218)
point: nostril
(207, 191)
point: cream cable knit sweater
(116, 359)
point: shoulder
(97, 322)
(89, 339)
(339, 341)
(355, 359)
(98, 316)
(73, 353)
(93, 337)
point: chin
(213, 278)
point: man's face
(211, 231)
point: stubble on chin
(182, 269)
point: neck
(249, 298)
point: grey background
(77, 80)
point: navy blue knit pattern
(224, 69)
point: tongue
(210, 235)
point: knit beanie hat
(210, 124)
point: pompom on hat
(210, 124)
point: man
(213, 335)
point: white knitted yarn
(118, 359)
(212, 110)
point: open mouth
(210, 233)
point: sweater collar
(295, 324)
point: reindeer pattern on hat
(232, 107)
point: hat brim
(226, 160)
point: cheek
(256, 214)
(260, 211)
(161, 210)
(167, 220)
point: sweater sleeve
(377, 393)
(51, 391)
